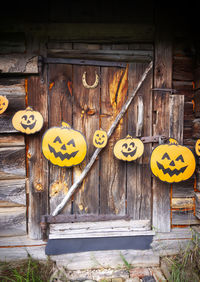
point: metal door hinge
(171, 90)
(154, 139)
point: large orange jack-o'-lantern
(64, 146)
(172, 162)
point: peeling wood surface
(8, 140)
(13, 221)
(12, 192)
(17, 63)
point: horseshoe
(94, 85)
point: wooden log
(12, 221)
(98, 150)
(183, 189)
(100, 32)
(197, 103)
(184, 218)
(162, 79)
(12, 87)
(196, 128)
(182, 203)
(17, 63)
(12, 162)
(197, 204)
(9, 140)
(183, 68)
(12, 192)
(12, 42)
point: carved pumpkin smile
(172, 162)
(64, 146)
(100, 138)
(128, 149)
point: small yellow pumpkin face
(3, 104)
(64, 146)
(172, 162)
(128, 149)
(197, 147)
(100, 138)
(27, 121)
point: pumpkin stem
(173, 141)
(128, 136)
(29, 109)
(64, 124)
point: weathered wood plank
(182, 203)
(12, 192)
(60, 109)
(12, 87)
(17, 63)
(101, 32)
(183, 68)
(100, 229)
(113, 171)
(138, 173)
(184, 218)
(12, 162)
(183, 189)
(162, 79)
(86, 109)
(12, 42)
(9, 140)
(176, 107)
(197, 204)
(15, 104)
(12, 221)
(37, 165)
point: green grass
(185, 267)
(29, 270)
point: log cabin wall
(19, 47)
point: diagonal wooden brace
(76, 184)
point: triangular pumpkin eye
(71, 142)
(57, 139)
(165, 156)
(180, 158)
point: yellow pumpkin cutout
(128, 149)
(3, 104)
(100, 138)
(172, 162)
(64, 146)
(197, 147)
(28, 121)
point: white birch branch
(76, 184)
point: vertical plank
(139, 194)
(176, 108)
(162, 79)
(113, 171)
(86, 119)
(60, 109)
(36, 164)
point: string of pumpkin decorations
(169, 162)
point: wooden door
(112, 188)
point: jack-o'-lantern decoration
(64, 146)
(3, 104)
(172, 162)
(197, 147)
(100, 138)
(128, 149)
(28, 121)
